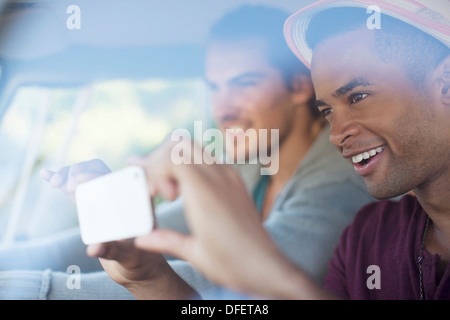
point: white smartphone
(115, 206)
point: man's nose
(343, 129)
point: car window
(48, 127)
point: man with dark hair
(391, 99)
(253, 22)
(385, 93)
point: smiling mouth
(365, 157)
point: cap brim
(432, 17)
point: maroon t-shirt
(377, 255)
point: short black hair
(256, 21)
(396, 41)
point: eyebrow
(247, 75)
(350, 86)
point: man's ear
(302, 88)
(442, 73)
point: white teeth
(366, 155)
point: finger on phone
(96, 250)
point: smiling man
(387, 102)
(378, 101)
(386, 94)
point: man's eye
(354, 98)
(326, 112)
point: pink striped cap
(430, 16)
